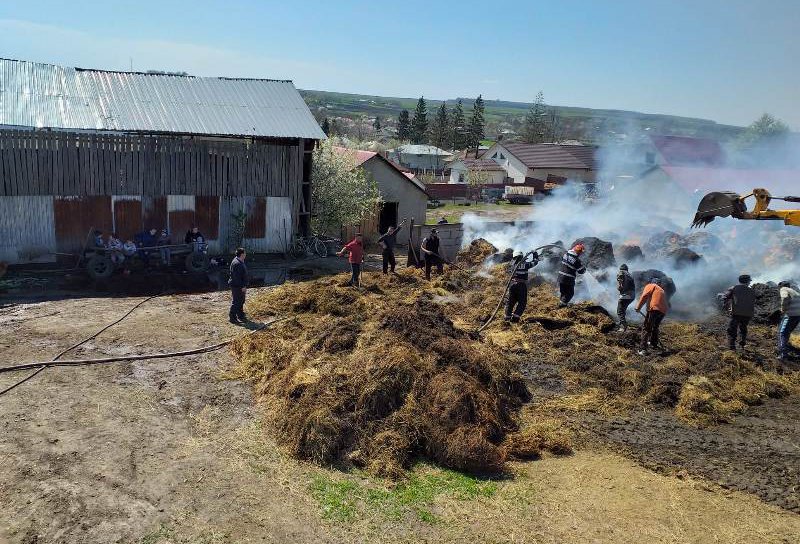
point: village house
(125, 151)
(403, 195)
(543, 161)
(482, 171)
(420, 157)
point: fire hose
(56, 361)
(508, 283)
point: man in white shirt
(790, 308)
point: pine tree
(439, 132)
(533, 131)
(457, 128)
(404, 126)
(476, 125)
(326, 127)
(419, 124)
(376, 124)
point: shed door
(127, 218)
(75, 218)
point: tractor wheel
(100, 267)
(197, 261)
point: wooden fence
(76, 164)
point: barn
(123, 152)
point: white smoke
(626, 210)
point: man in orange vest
(657, 307)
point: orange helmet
(578, 248)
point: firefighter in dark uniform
(571, 266)
(518, 290)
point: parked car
(434, 203)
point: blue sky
(726, 60)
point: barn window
(494, 156)
(502, 156)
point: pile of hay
(380, 377)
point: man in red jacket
(356, 257)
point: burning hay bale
(679, 257)
(598, 254)
(382, 387)
(630, 253)
(643, 277)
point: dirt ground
(170, 451)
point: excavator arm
(723, 204)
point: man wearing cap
(569, 269)
(740, 300)
(657, 307)
(430, 252)
(627, 292)
(518, 289)
(790, 308)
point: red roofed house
(403, 196)
(685, 151)
(520, 161)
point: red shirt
(356, 250)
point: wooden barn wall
(36, 228)
(61, 163)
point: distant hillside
(582, 123)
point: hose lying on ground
(61, 354)
(84, 362)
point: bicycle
(304, 246)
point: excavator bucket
(722, 204)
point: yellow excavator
(726, 204)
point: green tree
(534, 129)
(457, 128)
(404, 126)
(342, 192)
(439, 131)
(376, 124)
(419, 124)
(326, 127)
(765, 129)
(477, 125)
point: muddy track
(758, 453)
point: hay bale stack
(380, 379)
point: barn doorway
(388, 216)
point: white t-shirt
(793, 304)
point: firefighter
(657, 307)
(627, 292)
(571, 266)
(741, 303)
(518, 290)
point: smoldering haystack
(380, 378)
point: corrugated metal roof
(48, 96)
(420, 149)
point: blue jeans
(788, 324)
